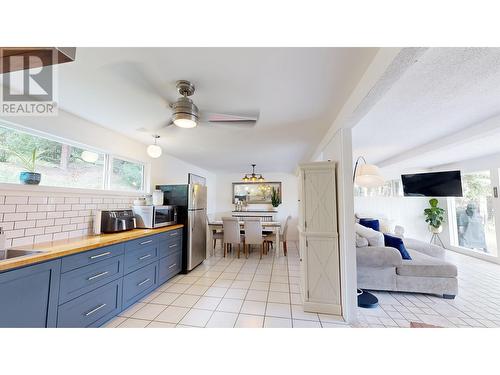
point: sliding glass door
(473, 225)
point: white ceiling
(444, 92)
(298, 92)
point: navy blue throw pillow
(397, 243)
(370, 223)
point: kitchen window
(63, 164)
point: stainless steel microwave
(155, 216)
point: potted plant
(29, 176)
(434, 216)
(275, 198)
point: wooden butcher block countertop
(57, 249)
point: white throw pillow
(361, 241)
(374, 238)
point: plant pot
(434, 230)
(30, 178)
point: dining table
(274, 226)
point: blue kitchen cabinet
(89, 288)
(29, 295)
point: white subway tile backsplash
(16, 200)
(14, 233)
(55, 200)
(43, 238)
(7, 226)
(62, 221)
(37, 200)
(46, 207)
(55, 214)
(44, 223)
(36, 215)
(7, 208)
(15, 217)
(24, 224)
(77, 220)
(53, 229)
(28, 218)
(68, 227)
(33, 231)
(26, 208)
(60, 236)
(23, 241)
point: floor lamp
(366, 175)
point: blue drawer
(139, 283)
(90, 257)
(137, 258)
(168, 247)
(169, 266)
(85, 279)
(170, 235)
(141, 242)
(92, 309)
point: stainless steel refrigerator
(191, 202)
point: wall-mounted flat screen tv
(435, 184)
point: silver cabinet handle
(145, 256)
(146, 242)
(95, 310)
(173, 265)
(173, 234)
(100, 255)
(143, 282)
(171, 246)
(97, 276)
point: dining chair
(231, 234)
(253, 234)
(283, 232)
(216, 235)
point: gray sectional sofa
(382, 268)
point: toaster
(112, 221)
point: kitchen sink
(12, 253)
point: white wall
(405, 211)
(289, 204)
(170, 170)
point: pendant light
(253, 177)
(89, 156)
(154, 150)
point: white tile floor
(476, 305)
(231, 292)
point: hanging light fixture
(154, 150)
(253, 177)
(89, 156)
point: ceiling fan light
(154, 151)
(185, 123)
(185, 120)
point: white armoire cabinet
(318, 234)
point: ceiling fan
(185, 114)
